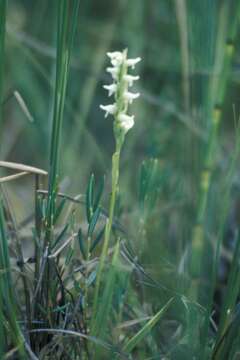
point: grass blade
(136, 339)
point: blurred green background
(181, 44)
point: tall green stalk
(66, 25)
(216, 91)
(181, 13)
(3, 8)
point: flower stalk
(123, 122)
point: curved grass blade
(146, 329)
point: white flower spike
(122, 80)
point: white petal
(113, 71)
(111, 89)
(130, 79)
(126, 121)
(130, 96)
(133, 62)
(117, 62)
(114, 54)
(110, 109)
(116, 58)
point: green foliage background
(185, 131)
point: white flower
(130, 96)
(115, 54)
(113, 71)
(117, 61)
(133, 62)
(130, 79)
(116, 57)
(110, 109)
(111, 89)
(126, 121)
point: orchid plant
(123, 122)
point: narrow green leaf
(91, 278)
(81, 244)
(69, 256)
(61, 235)
(229, 339)
(99, 193)
(59, 210)
(89, 197)
(94, 221)
(136, 339)
(97, 240)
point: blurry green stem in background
(232, 289)
(217, 91)
(181, 13)
(3, 6)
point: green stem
(3, 10)
(66, 26)
(115, 178)
(59, 100)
